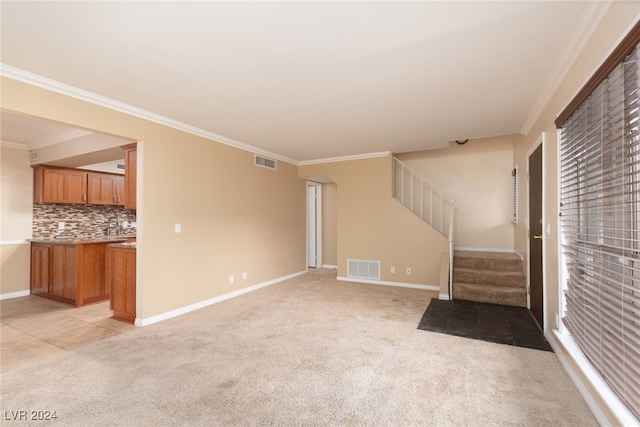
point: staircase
(491, 277)
(424, 199)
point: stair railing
(424, 199)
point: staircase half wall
(371, 225)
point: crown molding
(67, 136)
(17, 145)
(345, 158)
(581, 35)
(93, 98)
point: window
(600, 224)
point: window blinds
(600, 222)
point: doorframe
(541, 142)
(318, 221)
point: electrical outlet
(557, 321)
(393, 270)
(231, 279)
(178, 228)
(61, 225)
(408, 271)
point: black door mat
(500, 324)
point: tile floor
(488, 322)
(34, 328)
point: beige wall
(373, 226)
(478, 176)
(329, 224)
(87, 149)
(16, 178)
(235, 217)
(618, 19)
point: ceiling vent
(34, 155)
(363, 269)
(265, 162)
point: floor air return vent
(363, 269)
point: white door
(314, 225)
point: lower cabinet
(70, 273)
(41, 257)
(121, 279)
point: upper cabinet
(130, 175)
(76, 186)
(59, 185)
(105, 188)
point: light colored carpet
(309, 351)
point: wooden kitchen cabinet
(105, 188)
(121, 279)
(70, 273)
(41, 256)
(120, 194)
(64, 277)
(59, 185)
(130, 175)
(75, 186)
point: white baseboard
(520, 254)
(17, 294)
(386, 283)
(335, 267)
(565, 348)
(183, 310)
(13, 242)
(444, 297)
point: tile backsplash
(80, 221)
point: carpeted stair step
(516, 297)
(489, 277)
(494, 261)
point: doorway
(536, 236)
(314, 225)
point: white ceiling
(308, 80)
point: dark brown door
(536, 296)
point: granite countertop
(123, 245)
(80, 241)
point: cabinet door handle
(84, 197)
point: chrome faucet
(117, 227)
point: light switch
(178, 228)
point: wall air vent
(363, 269)
(120, 166)
(34, 155)
(265, 162)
